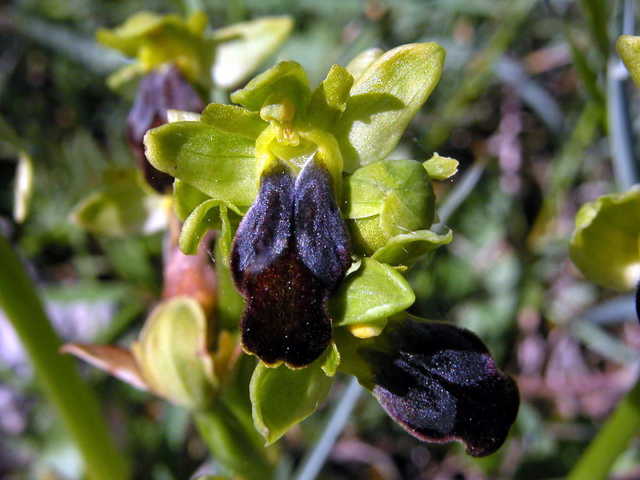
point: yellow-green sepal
(604, 244)
(383, 101)
(628, 47)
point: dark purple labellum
(440, 383)
(159, 91)
(290, 252)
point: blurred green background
(525, 104)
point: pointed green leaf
(371, 293)
(244, 46)
(362, 61)
(286, 78)
(125, 205)
(628, 47)
(282, 397)
(383, 101)
(329, 100)
(384, 199)
(404, 250)
(233, 119)
(219, 164)
(604, 244)
(441, 168)
(173, 356)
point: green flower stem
(611, 440)
(58, 378)
(231, 444)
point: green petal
(384, 199)
(219, 164)
(172, 353)
(186, 199)
(441, 168)
(329, 100)
(604, 244)
(125, 205)
(244, 46)
(128, 37)
(383, 101)
(282, 397)
(234, 119)
(628, 48)
(362, 61)
(371, 293)
(404, 250)
(286, 78)
(206, 217)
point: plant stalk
(62, 385)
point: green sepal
(441, 168)
(604, 244)
(207, 217)
(286, 78)
(242, 47)
(359, 64)
(329, 100)
(233, 119)
(218, 163)
(403, 250)
(124, 205)
(383, 101)
(186, 199)
(628, 47)
(385, 199)
(371, 293)
(282, 397)
(173, 355)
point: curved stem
(57, 376)
(611, 440)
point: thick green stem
(57, 376)
(231, 444)
(611, 440)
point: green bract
(628, 48)
(347, 126)
(604, 245)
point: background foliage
(532, 102)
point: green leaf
(282, 397)
(233, 119)
(628, 48)
(286, 78)
(383, 101)
(125, 205)
(604, 244)
(186, 199)
(329, 100)
(244, 46)
(441, 168)
(218, 163)
(371, 293)
(173, 356)
(384, 199)
(404, 250)
(362, 61)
